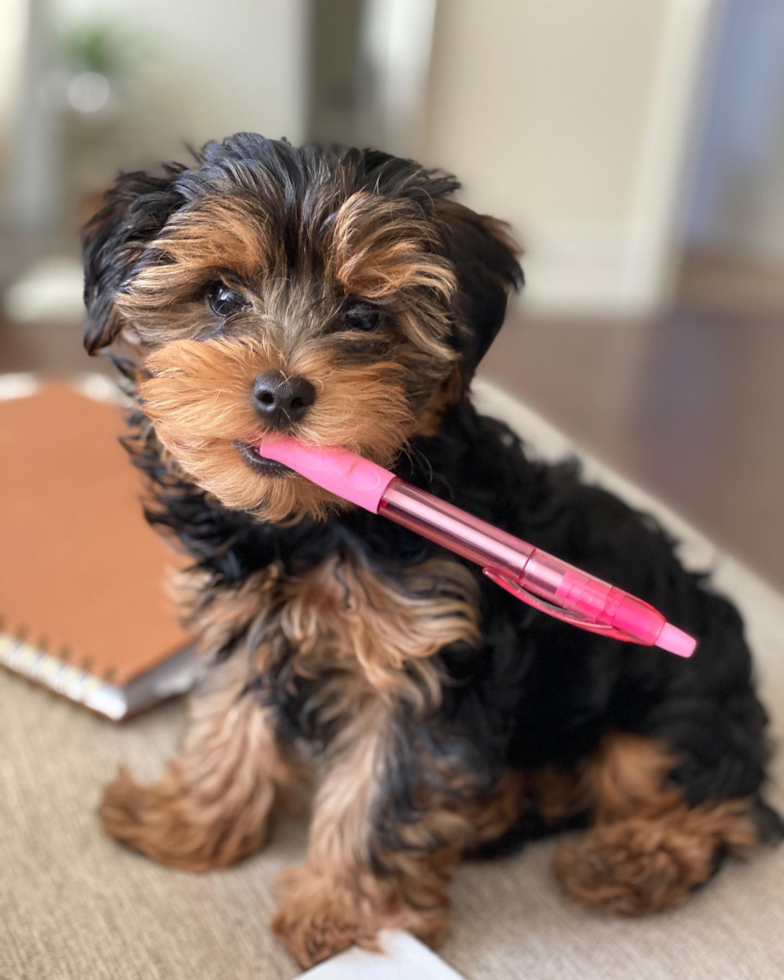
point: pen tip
(676, 641)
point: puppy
(343, 297)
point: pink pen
(548, 584)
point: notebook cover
(82, 575)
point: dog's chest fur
(322, 644)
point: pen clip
(557, 612)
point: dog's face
(336, 296)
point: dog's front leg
(382, 845)
(341, 895)
(212, 806)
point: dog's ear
(134, 212)
(486, 263)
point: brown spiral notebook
(83, 603)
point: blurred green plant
(100, 47)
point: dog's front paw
(319, 916)
(633, 867)
(177, 828)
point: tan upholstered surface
(73, 906)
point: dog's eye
(361, 316)
(224, 300)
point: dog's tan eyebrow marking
(231, 278)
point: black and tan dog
(340, 295)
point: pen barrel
(564, 585)
(596, 601)
(454, 529)
(546, 576)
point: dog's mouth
(266, 467)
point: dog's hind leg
(212, 806)
(653, 839)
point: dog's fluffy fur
(439, 715)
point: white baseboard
(586, 270)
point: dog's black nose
(280, 400)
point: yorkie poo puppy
(343, 297)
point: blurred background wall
(204, 69)
(565, 128)
(580, 129)
(129, 84)
(733, 229)
(636, 148)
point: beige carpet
(73, 906)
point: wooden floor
(691, 407)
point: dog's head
(336, 295)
